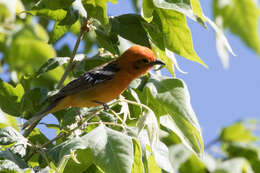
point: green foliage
(153, 128)
(237, 133)
(235, 15)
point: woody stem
(71, 63)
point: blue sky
(219, 97)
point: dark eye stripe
(145, 60)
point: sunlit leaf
(241, 18)
(172, 96)
(237, 133)
(110, 150)
(10, 98)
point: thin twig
(71, 63)
(211, 143)
(107, 123)
(135, 103)
(113, 112)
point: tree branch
(71, 63)
(211, 143)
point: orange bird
(101, 84)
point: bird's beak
(157, 62)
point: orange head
(137, 60)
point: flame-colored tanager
(101, 84)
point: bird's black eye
(145, 60)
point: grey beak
(157, 62)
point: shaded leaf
(16, 160)
(32, 102)
(129, 27)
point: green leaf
(172, 96)
(248, 151)
(10, 98)
(108, 41)
(74, 14)
(8, 120)
(97, 9)
(7, 155)
(184, 160)
(147, 10)
(154, 31)
(129, 27)
(110, 150)
(29, 50)
(93, 169)
(161, 156)
(55, 14)
(32, 102)
(188, 8)
(237, 133)
(9, 135)
(241, 18)
(152, 165)
(236, 165)
(55, 10)
(137, 164)
(177, 36)
(4, 13)
(149, 120)
(51, 64)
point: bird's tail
(29, 125)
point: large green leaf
(10, 98)
(129, 27)
(170, 98)
(177, 36)
(169, 29)
(241, 18)
(110, 150)
(237, 133)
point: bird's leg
(106, 107)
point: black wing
(89, 79)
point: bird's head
(137, 60)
